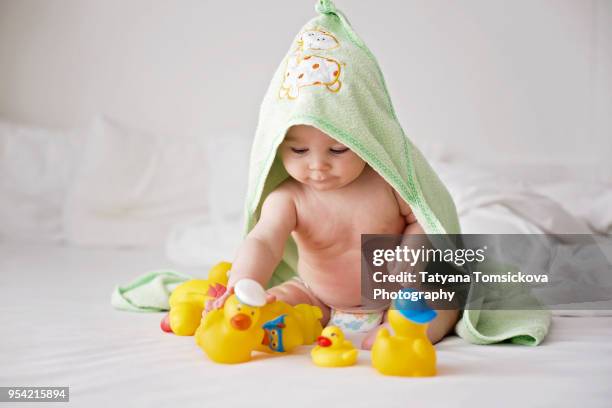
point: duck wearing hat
(408, 352)
(231, 334)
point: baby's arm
(446, 319)
(263, 247)
(414, 234)
(412, 225)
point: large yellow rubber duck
(187, 300)
(231, 334)
(333, 350)
(408, 352)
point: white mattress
(58, 329)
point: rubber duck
(187, 300)
(333, 350)
(231, 334)
(408, 352)
(286, 327)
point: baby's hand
(214, 304)
(217, 303)
(270, 298)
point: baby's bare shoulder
(283, 199)
(375, 179)
(278, 214)
(287, 190)
(372, 180)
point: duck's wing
(421, 347)
(383, 333)
(350, 355)
(210, 318)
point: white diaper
(356, 323)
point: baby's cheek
(354, 166)
(293, 169)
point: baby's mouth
(320, 179)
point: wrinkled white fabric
(36, 169)
(132, 186)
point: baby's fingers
(208, 306)
(217, 303)
(220, 301)
(270, 298)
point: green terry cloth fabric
(147, 293)
(487, 321)
(330, 80)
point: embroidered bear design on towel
(317, 40)
(306, 69)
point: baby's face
(313, 158)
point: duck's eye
(239, 308)
(333, 334)
(339, 151)
(298, 151)
(253, 313)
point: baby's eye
(298, 151)
(339, 151)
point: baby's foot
(368, 341)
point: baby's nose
(319, 164)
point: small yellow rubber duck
(231, 334)
(408, 352)
(188, 299)
(333, 350)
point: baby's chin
(333, 184)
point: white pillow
(228, 160)
(131, 186)
(36, 166)
(207, 240)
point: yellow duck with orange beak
(188, 299)
(333, 350)
(231, 334)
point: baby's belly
(334, 279)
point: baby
(330, 199)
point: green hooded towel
(329, 79)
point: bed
(60, 330)
(68, 236)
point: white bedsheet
(58, 329)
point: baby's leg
(438, 328)
(294, 293)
